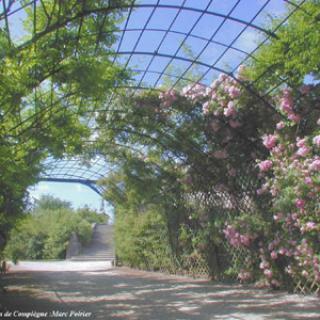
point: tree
(48, 202)
(49, 84)
(45, 232)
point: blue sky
(162, 18)
(79, 195)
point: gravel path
(128, 294)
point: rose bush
(284, 240)
(294, 184)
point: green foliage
(92, 216)
(294, 53)
(252, 223)
(44, 233)
(163, 158)
(49, 80)
(48, 202)
(141, 239)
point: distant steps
(101, 247)
(93, 258)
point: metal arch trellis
(150, 74)
(76, 171)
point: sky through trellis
(165, 39)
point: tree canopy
(49, 81)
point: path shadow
(128, 294)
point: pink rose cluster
(237, 239)
(265, 165)
(303, 148)
(307, 261)
(279, 248)
(167, 98)
(269, 141)
(266, 268)
(287, 104)
(194, 92)
(316, 141)
(296, 167)
(244, 275)
(220, 99)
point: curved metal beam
(201, 11)
(89, 183)
(246, 86)
(170, 31)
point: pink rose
(316, 141)
(234, 92)
(308, 181)
(268, 273)
(309, 226)
(301, 143)
(282, 251)
(209, 91)
(222, 77)
(234, 124)
(265, 165)
(245, 240)
(264, 265)
(286, 105)
(243, 276)
(294, 117)
(315, 165)
(205, 108)
(269, 141)
(194, 91)
(274, 255)
(300, 203)
(303, 151)
(215, 84)
(230, 110)
(280, 125)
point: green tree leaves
(51, 83)
(44, 233)
(294, 53)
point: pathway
(135, 295)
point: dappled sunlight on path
(60, 265)
(129, 294)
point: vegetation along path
(127, 294)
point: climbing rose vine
(284, 241)
(295, 188)
(292, 179)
